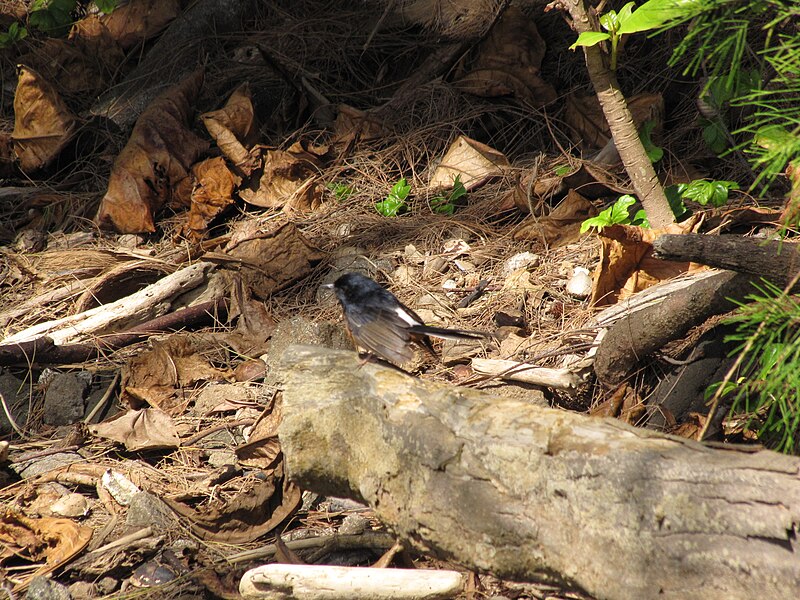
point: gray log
(535, 494)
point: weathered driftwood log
(776, 261)
(529, 494)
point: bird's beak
(327, 286)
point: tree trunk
(538, 494)
(620, 122)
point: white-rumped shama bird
(382, 325)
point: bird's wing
(384, 334)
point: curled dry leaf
(509, 62)
(81, 64)
(155, 376)
(287, 178)
(276, 260)
(627, 265)
(130, 23)
(43, 124)
(252, 513)
(212, 193)
(158, 155)
(51, 541)
(470, 160)
(234, 128)
(145, 429)
(562, 226)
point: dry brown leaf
(212, 193)
(473, 162)
(133, 22)
(626, 263)
(509, 62)
(262, 447)
(52, 541)
(154, 376)
(78, 65)
(353, 124)
(563, 225)
(234, 128)
(272, 262)
(285, 172)
(254, 512)
(43, 124)
(158, 155)
(145, 429)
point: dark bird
(384, 326)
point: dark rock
(64, 400)
(15, 393)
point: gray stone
(64, 400)
(44, 588)
(148, 510)
(45, 464)
(299, 330)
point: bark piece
(530, 493)
(775, 260)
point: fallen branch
(43, 351)
(531, 493)
(150, 302)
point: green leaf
(590, 38)
(106, 6)
(458, 190)
(52, 16)
(654, 153)
(615, 214)
(674, 194)
(655, 14)
(563, 170)
(704, 192)
(395, 202)
(715, 136)
(640, 219)
(625, 13)
(15, 33)
(610, 21)
(340, 190)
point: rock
(299, 330)
(218, 396)
(15, 393)
(580, 284)
(64, 400)
(45, 464)
(523, 260)
(250, 370)
(44, 588)
(147, 510)
(354, 524)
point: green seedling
(395, 202)
(445, 205)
